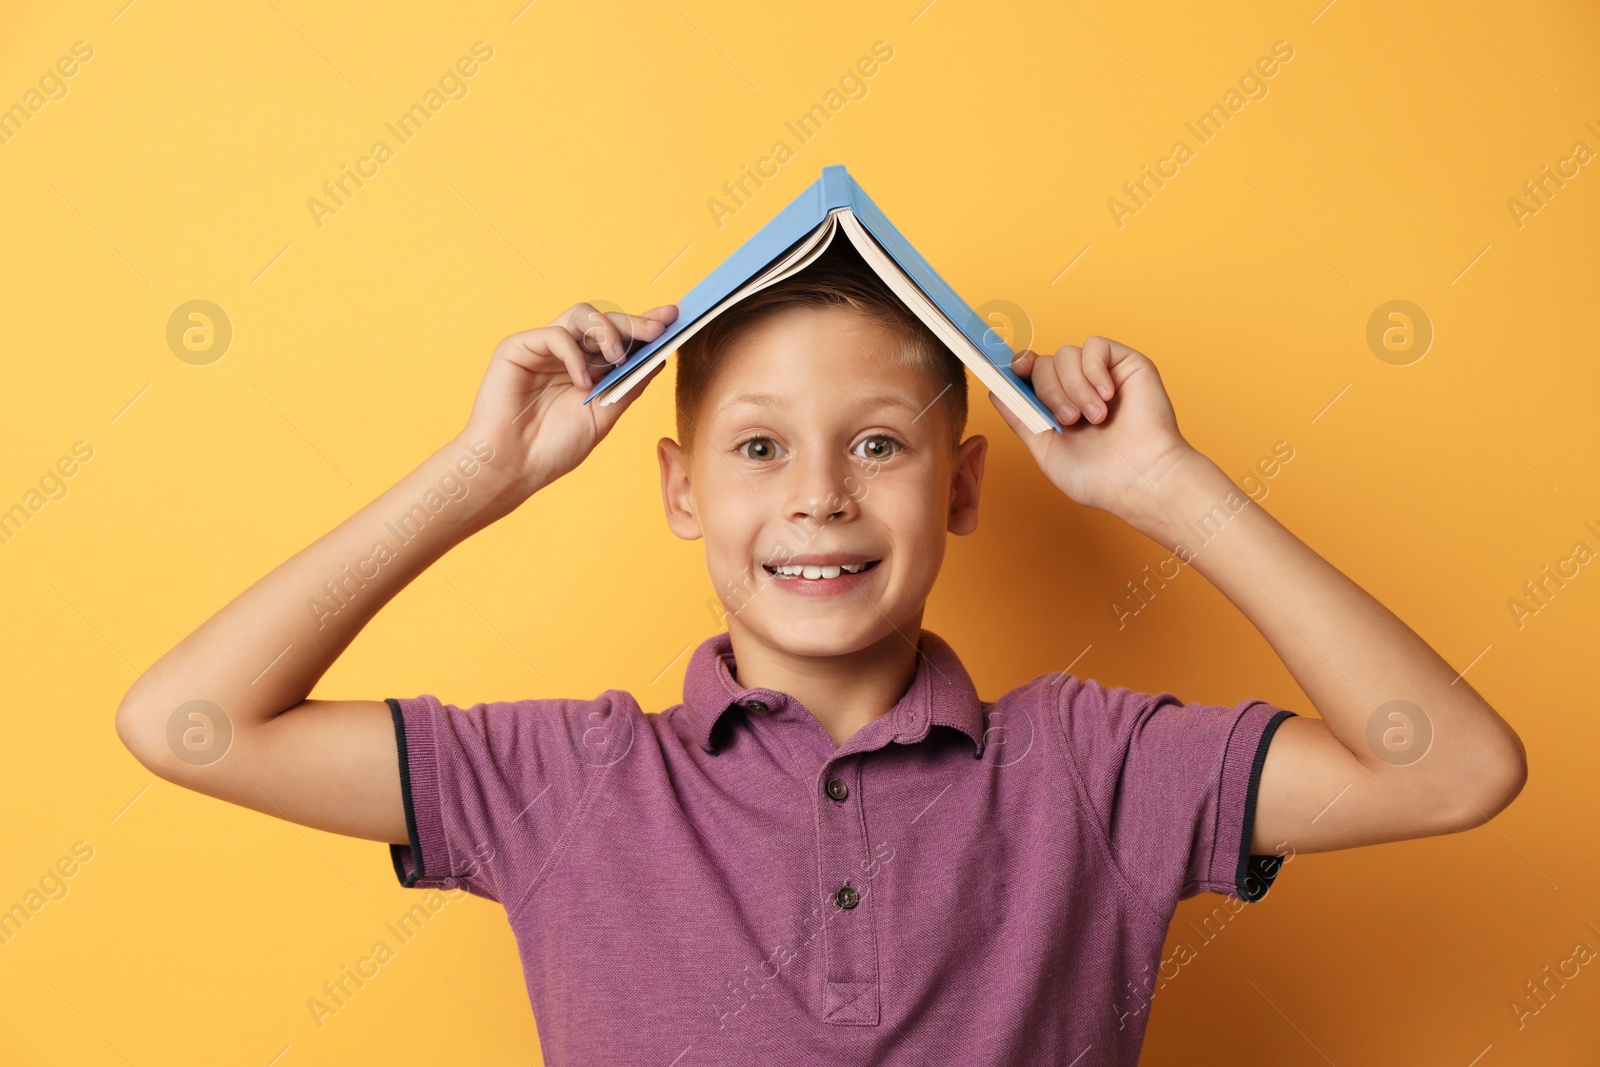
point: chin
(836, 633)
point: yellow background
(579, 166)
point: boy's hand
(530, 406)
(1119, 434)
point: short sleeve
(492, 790)
(1174, 787)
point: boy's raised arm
(1405, 747)
(225, 711)
(1326, 783)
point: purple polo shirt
(960, 882)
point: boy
(832, 852)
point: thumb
(1010, 419)
(1036, 443)
(606, 415)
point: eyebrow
(875, 400)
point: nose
(819, 488)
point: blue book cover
(836, 193)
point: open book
(794, 238)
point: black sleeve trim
(1255, 874)
(411, 816)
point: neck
(844, 692)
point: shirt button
(837, 789)
(756, 706)
(847, 897)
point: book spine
(837, 188)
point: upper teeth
(811, 571)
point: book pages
(795, 260)
(939, 323)
(802, 255)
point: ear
(966, 480)
(675, 494)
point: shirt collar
(941, 694)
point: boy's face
(813, 448)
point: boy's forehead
(860, 396)
(801, 350)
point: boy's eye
(758, 448)
(878, 446)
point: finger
(565, 347)
(532, 350)
(1079, 391)
(643, 327)
(666, 314)
(1033, 441)
(1047, 386)
(639, 330)
(606, 415)
(1098, 355)
(1011, 419)
(605, 334)
(596, 331)
(1024, 363)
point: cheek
(914, 510)
(731, 523)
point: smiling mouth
(790, 572)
